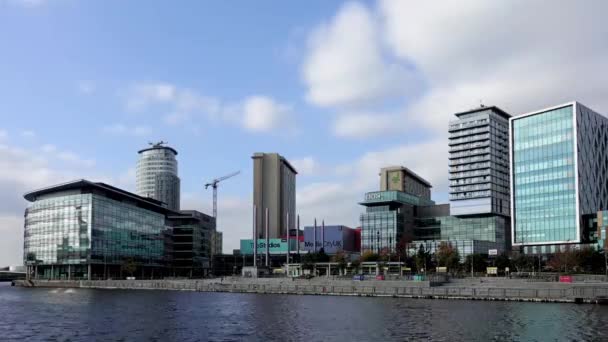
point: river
(37, 314)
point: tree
(479, 262)
(340, 258)
(422, 259)
(564, 261)
(447, 256)
(502, 261)
(129, 266)
(369, 256)
(355, 264)
(522, 262)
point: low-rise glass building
(88, 230)
(388, 219)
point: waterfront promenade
(498, 289)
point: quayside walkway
(473, 289)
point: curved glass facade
(544, 180)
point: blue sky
(339, 88)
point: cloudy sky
(339, 88)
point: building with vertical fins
(479, 162)
(274, 187)
(157, 175)
(559, 177)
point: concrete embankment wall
(529, 292)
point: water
(121, 315)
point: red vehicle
(380, 277)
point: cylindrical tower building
(157, 174)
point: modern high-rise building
(400, 178)
(559, 170)
(274, 188)
(479, 162)
(157, 175)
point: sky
(338, 88)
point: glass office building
(559, 175)
(86, 230)
(389, 216)
(193, 243)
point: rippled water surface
(117, 315)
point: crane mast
(214, 184)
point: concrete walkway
(474, 289)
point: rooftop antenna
(158, 144)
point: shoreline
(596, 293)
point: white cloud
(73, 158)
(519, 55)
(537, 56)
(365, 125)
(122, 129)
(3, 134)
(26, 3)
(86, 87)
(256, 113)
(143, 95)
(305, 166)
(11, 230)
(336, 201)
(28, 134)
(345, 65)
(48, 148)
(262, 114)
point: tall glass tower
(559, 159)
(157, 175)
(479, 162)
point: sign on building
(276, 246)
(492, 252)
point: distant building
(559, 177)
(332, 239)
(400, 178)
(157, 175)
(274, 188)
(479, 162)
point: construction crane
(213, 184)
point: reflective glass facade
(381, 230)
(544, 177)
(465, 247)
(560, 174)
(74, 229)
(491, 228)
(389, 216)
(87, 230)
(122, 230)
(58, 230)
